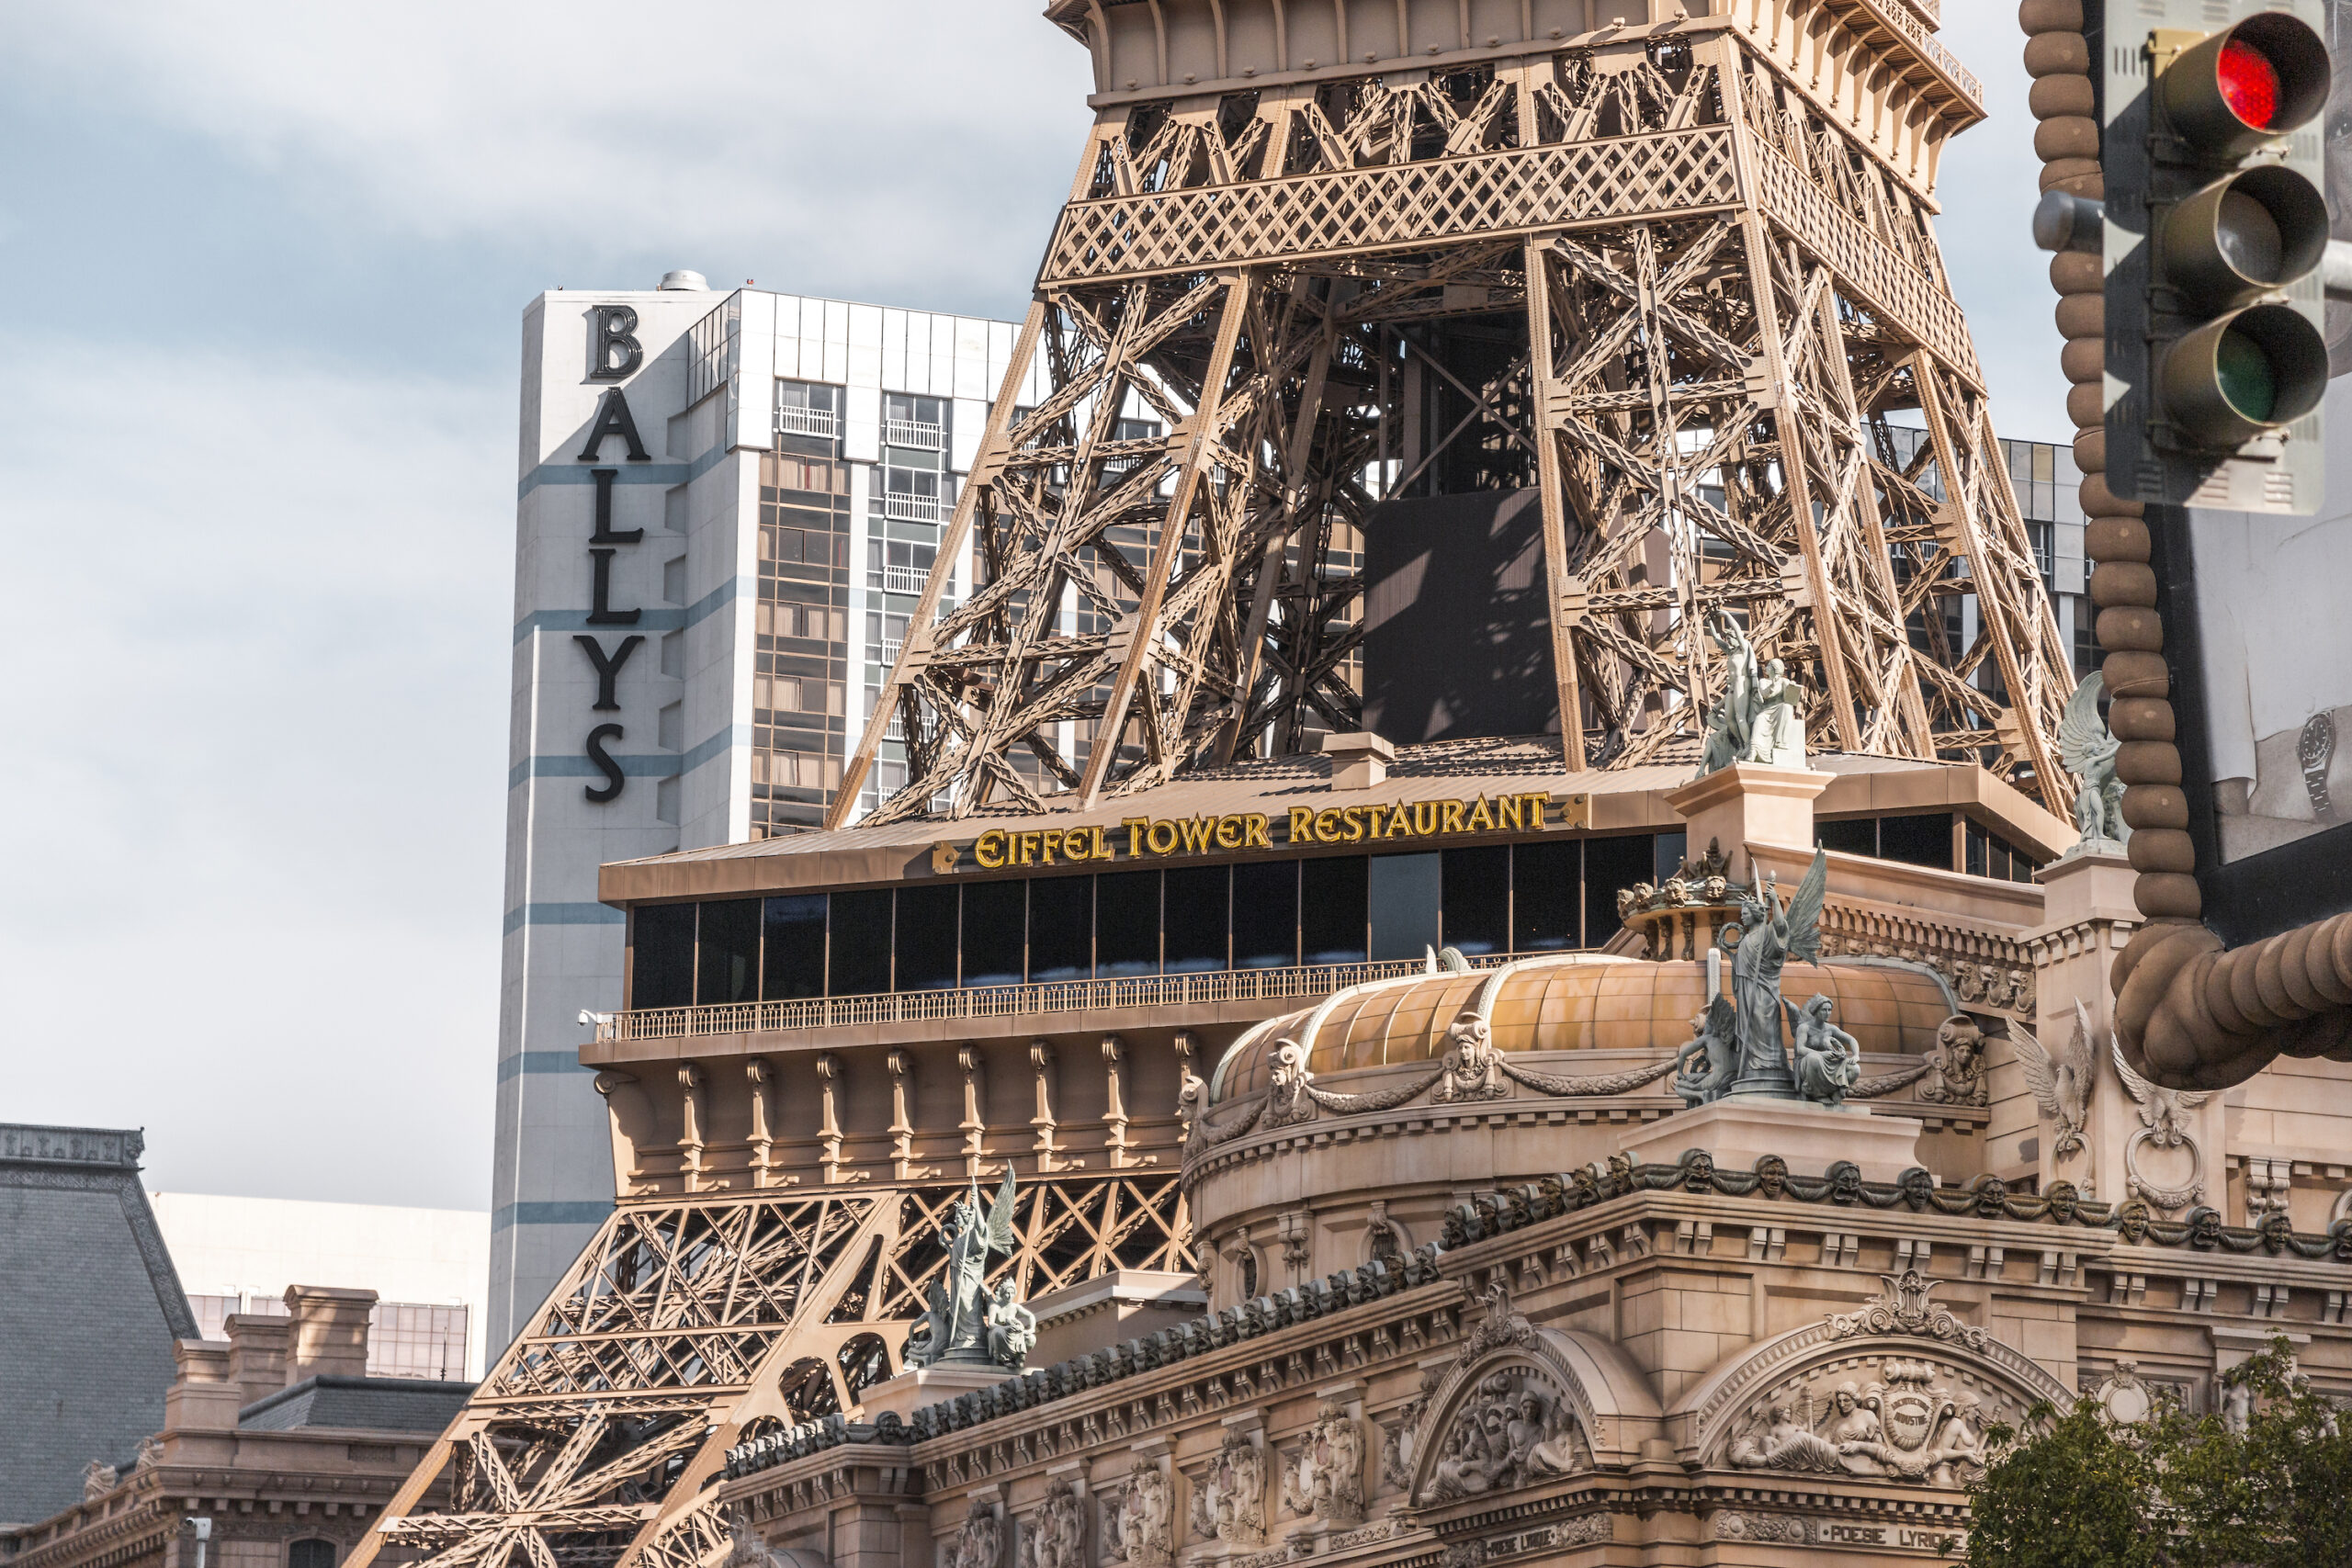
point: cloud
(254, 813)
(261, 471)
(875, 145)
(1987, 185)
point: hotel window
(808, 408)
(914, 421)
(915, 495)
(898, 566)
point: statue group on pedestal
(1761, 717)
(966, 1323)
(1738, 1045)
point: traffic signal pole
(2188, 1012)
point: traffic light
(2215, 232)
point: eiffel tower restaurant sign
(1161, 838)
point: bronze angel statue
(956, 1325)
(1768, 936)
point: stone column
(203, 1397)
(257, 1354)
(1749, 803)
(328, 1332)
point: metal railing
(1008, 1001)
(913, 433)
(910, 508)
(793, 421)
(1897, 14)
(904, 579)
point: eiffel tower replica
(1671, 265)
(1668, 262)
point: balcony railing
(910, 508)
(791, 421)
(1009, 1001)
(914, 432)
(1899, 14)
(904, 579)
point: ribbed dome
(1580, 1001)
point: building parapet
(1459, 1260)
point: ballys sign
(1160, 837)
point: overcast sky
(257, 408)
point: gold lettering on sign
(1161, 837)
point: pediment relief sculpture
(1229, 1496)
(1324, 1480)
(978, 1542)
(1914, 1421)
(1514, 1430)
(1054, 1537)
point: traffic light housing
(2215, 234)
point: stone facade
(276, 1437)
(1452, 1319)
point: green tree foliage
(2267, 1486)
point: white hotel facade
(728, 506)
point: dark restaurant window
(1265, 915)
(1546, 894)
(1331, 923)
(727, 953)
(994, 933)
(792, 948)
(1061, 928)
(665, 956)
(1917, 840)
(1476, 893)
(925, 942)
(1195, 918)
(859, 957)
(1611, 864)
(1126, 923)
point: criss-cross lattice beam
(687, 1322)
(1729, 303)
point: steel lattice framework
(1719, 294)
(693, 1323)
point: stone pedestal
(1748, 803)
(1738, 1131)
(903, 1394)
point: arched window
(310, 1554)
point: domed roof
(1573, 1001)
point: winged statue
(954, 1327)
(1768, 936)
(2089, 749)
(2060, 1086)
(2160, 1109)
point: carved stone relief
(2126, 1397)
(1324, 1480)
(978, 1542)
(1914, 1421)
(1229, 1496)
(1400, 1442)
(1514, 1430)
(1055, 1536)
(2173, 1175)
(1139, 1518)
(1472, 1068)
